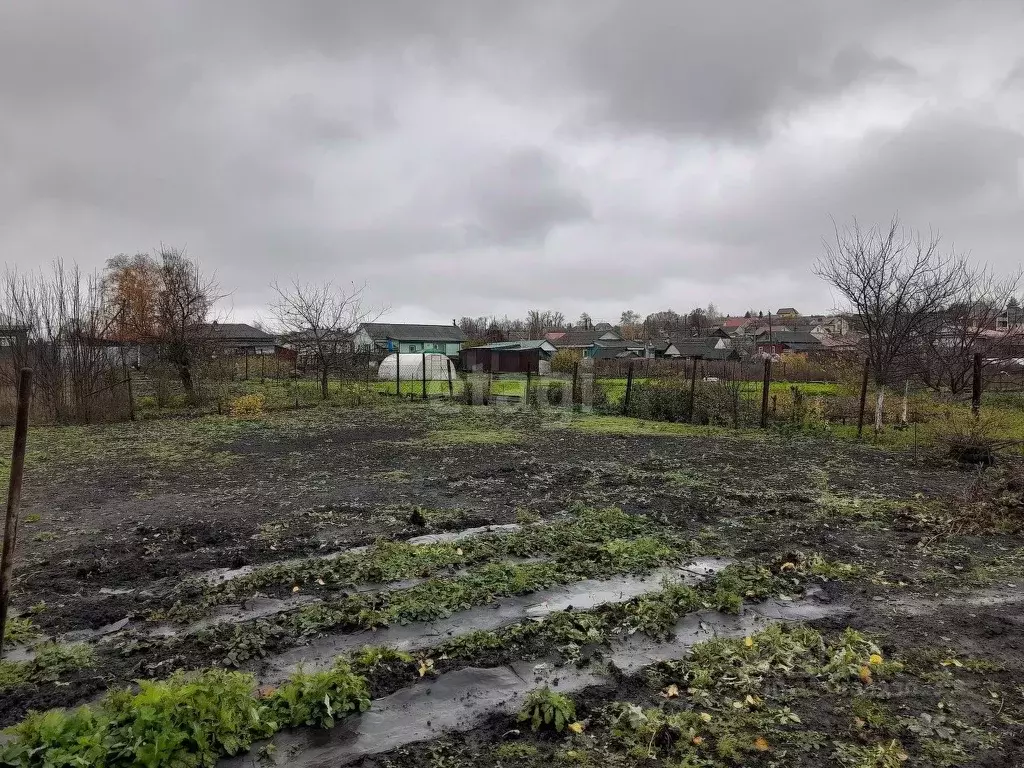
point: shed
(439, 367)
(508, 356)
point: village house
(409, 338)
(243, 339)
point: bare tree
(968, 326)
(321, 318)
(897, 284)
(538, 321)
(183, 306)
(629, 317)
(62, 324)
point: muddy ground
(115, 519)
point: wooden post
(451, 388)
(693, 387)
(14, 497)
(246, 363)
(263, 367)
(575, 377)
(976, 386)
(863, 397)
(765, 386)
(629, 390)
(526, 395)
(398, 370)
(424, 375)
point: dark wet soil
(120, 538)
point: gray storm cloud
(473, 156)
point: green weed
(546, 709)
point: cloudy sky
(469, 157)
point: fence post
(693, 387)
(246, 363)
(765, 386)
(629, 390)
(398, 370)
(976, 386)
(14, 496)
(526, 395)
(424, 375)
(575, 379)
(863, 397)
(128, 380)
(451, 389)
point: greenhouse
(438, 367)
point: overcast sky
(469, 157)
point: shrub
(248, 406)
(564, 360)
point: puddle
(462, 700)
(581, 595)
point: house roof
(612, 353)
(736, 322)
(788, 337)
(412, 332)
(787, 311)
(699, 346)
(619, 344)
(580, 338)
(238, 331)
(543, 344)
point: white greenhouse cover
(438, 366)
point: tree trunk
(879, 410)
(185, 373)
(323, 383)
(906, 395)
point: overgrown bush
(669, 400)
(564, 360)
(248, 406)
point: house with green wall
(408, 338)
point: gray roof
(580, 338)
(525, 344)
(413, 332)
(790, 337)
(239, 331)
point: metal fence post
(14, 497)
(424, 375)
(575, 379)
(765, 386)
(629, 390)
(976, 386)
(693, 387)
(398, 371)
(863, 397)
(451, 388)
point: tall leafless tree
(321, 318)
(184, 303)
(898, 284)
(57, 322)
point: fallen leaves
(426, 667)
(761, 744)
(671, 692)
(875, 659)
(865, 675)
(576, 727)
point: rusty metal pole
(976, 386)
(14, 497)
(863, 397)
(765, 386)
